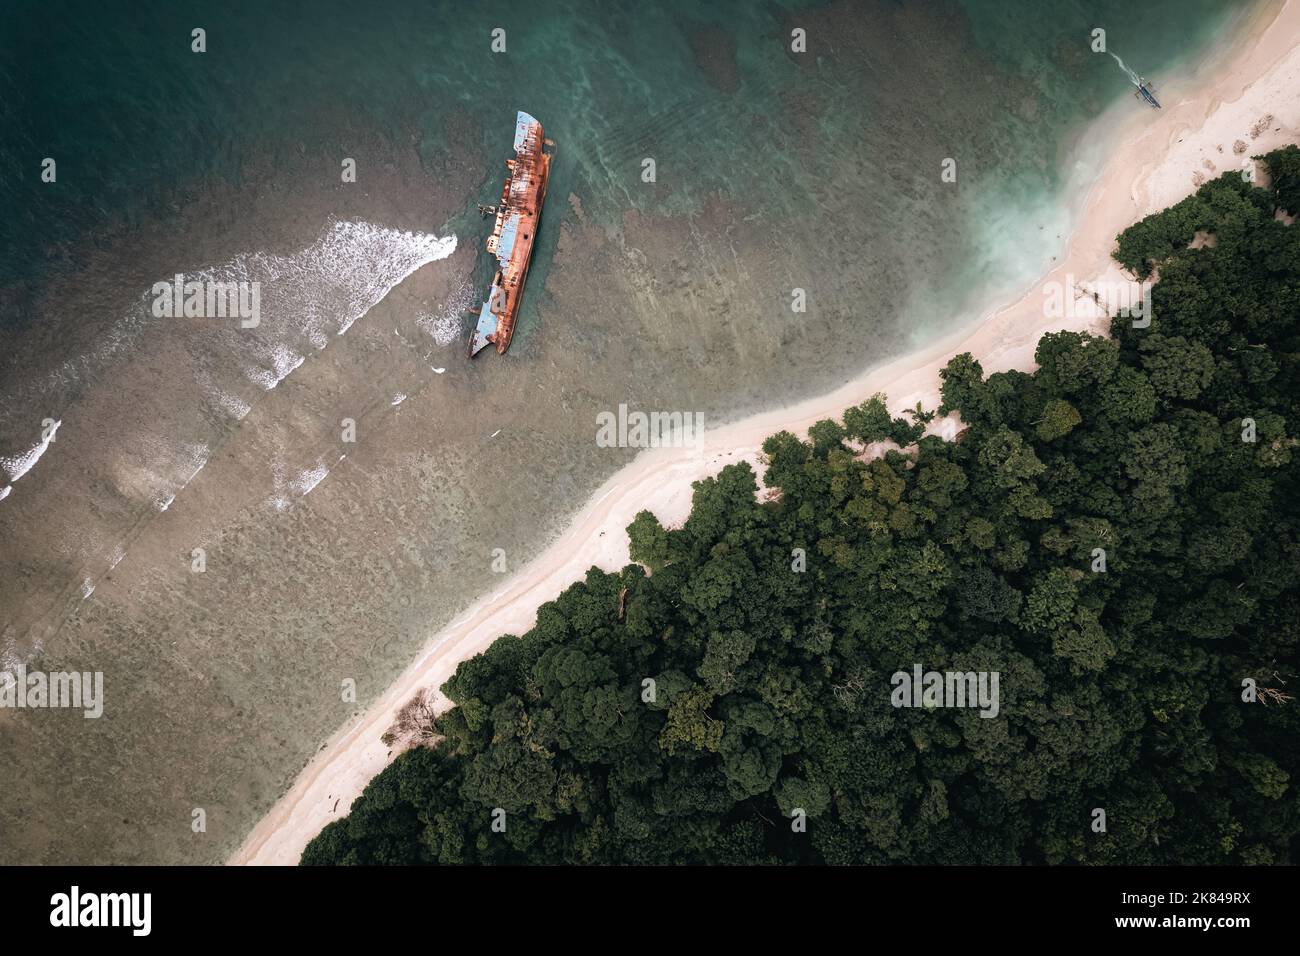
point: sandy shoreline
(1153, 167)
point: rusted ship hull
(513, 235)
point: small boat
(1144, 93)
(513, 234)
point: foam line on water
(1133, 77)
(307, 298)
(19, 465)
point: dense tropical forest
(1116, 535)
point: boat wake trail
(1133, 77)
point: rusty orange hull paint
(514, 233)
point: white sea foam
(398, 399)
(309, 479)
(11, 660)
(4, 492)
(445, 327)
(19, 465)
(172, 469)
(280, 500)
(197, 457)
(232, 405)
(1133, 77)
(308, 297)
(282, 361)
(317, 293)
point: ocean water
(235, 525)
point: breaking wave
(445, 327)
(307, 298)
(19, 465)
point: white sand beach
(1247, 92)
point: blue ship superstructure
(513, 234)
(1144, 91)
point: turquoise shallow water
(135, 118)
(775, 171)
(820, 170)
